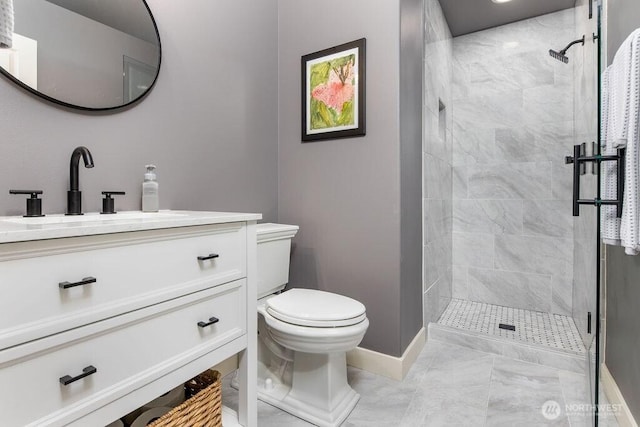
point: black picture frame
(334, 92)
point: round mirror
(86, 54)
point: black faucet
(74, 195)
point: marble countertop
(19, 229)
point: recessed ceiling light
(500, 1)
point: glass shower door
(586, 258)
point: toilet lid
(308, 307)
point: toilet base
(310, 413)
(314, 388)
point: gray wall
(210, 124)
(623, 324)
(411, 83)
(623, 289)
(345, 194)
(623, 16)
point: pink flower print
(337, 90)
(334, 94)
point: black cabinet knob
(85, 281)
(68, 379)
(211, 321)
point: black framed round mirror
(93, 55)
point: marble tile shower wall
(512, 126)
(437, 167)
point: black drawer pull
(85, 281)
(211, 321)
(210, 256)
(67, 379)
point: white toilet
(303, 337)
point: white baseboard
(368, 360)
(624, 416)
(389, 366)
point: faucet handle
(34, 204)
(108, 204)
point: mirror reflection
(88, 54)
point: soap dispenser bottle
(150, 201)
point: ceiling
(123, 15)
(468, 16)
(463, 16)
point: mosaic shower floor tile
(531, 327)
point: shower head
(561, 56)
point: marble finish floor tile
(450, 385)
(521, 391)
(547, 329)
(576, 391)
(453, 391)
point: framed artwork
(333, 92)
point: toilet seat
(317, 309)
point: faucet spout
(74, 183)
(74, 195)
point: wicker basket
(202, 409)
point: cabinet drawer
(131, 270)
(126, 356)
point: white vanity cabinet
(98, 318)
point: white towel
(629, 227)
(620, 93)
(621, 128)
(620, 112)
(610, 223)
(6, 23)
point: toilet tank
(274, 249)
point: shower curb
(532, 353)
